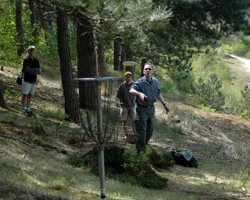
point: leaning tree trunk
(33, 17)
(87, 62)
(101, 60)
(2, 102)
(19, 27)
(71, 105)
(41, 12)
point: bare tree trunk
(87, 61)
(101, 60)
(123, 56)
(19, 27)
(71, 104)
(2, 102)
(117, 53)
(129, 57)
(33, 17)
(143, 62)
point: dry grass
(218, 140)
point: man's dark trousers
(144, 123)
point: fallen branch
(14, 138)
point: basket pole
(101, 142)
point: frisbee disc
(129, 63)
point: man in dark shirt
(147, 91)
(31, 69)
(127, 102)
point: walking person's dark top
(127, 102)
(126, 99)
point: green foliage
(245, 176)
(206, 108)
(236, 44)
(159, 158)
(233, 99)
(14, 96)
(204, 66)
(127, 166)
(246, 100)
(168, 86)
(179, 70)
(8, 40)
(58, 114)
(244, 114)
(209, 92)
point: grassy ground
(33, 165)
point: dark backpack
(184, 158)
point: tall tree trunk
(101, 60)
(117, 53)
(123, 56)
(87, 62)
(33, 17)
(129, 57)
(143, 62)
(71, 104)
(19, 27)
(2, 102)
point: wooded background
(87, 36)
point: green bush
(236, 44)
(246, 100)
(233, 99)
(159, 158)
(245, 176)
(209, 92)
(126, 165)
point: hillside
(33, 158)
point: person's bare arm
(161, 99)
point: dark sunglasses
(148, 69)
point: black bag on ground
(184, 158)
(19, 79)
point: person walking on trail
(127, 102)
(147, 91)
(31, 68)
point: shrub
(246, 99)
(158, 158)
(245, 176)
(126, 165)
(209, 92)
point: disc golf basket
(100, 115)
